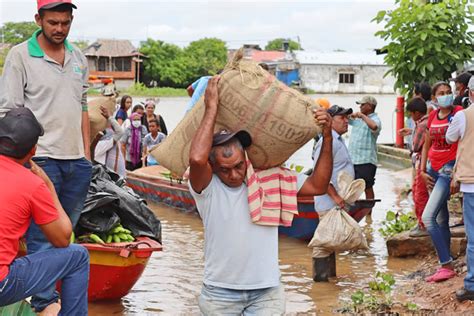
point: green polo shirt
(55, 93)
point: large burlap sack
(278, 118)
(97, 121)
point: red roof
(267, 56)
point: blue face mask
(445, 100)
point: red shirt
(441, 152)
(23, 196)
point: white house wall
(367, 78)
(122, 84)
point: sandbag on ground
(279, 118)
(97, 121)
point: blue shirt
(121, 114)
(341, 162)
(199, 86)
(363, 141)
(149, 142)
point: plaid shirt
(363, 141)
(418, 137)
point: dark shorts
(131, 166)
(367, 172)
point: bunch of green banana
(119, 234)
(90, 238)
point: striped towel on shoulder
(271, 195)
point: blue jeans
(436, 215)
(220, 301)
(71, 179)
(468, 211)
(33, 273)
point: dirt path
(438, 298)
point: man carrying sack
(241, 274)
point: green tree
(161, 58)
(204, 57)
(17, 32)
(171, 66)
(3, 55)
(277, 44)
(427, 41)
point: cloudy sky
(319, 25)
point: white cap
(470, 85)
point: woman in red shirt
(438, 158)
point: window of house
(346, 78)
(103, 64)
(122, 63)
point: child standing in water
(151, 140)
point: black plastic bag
(99, 221)
(109, 197)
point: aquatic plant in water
(376, 298)
(396, 223)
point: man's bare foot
(51, 310)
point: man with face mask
(462, 91)
(461, 129)
(49, 76)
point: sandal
(442, 274)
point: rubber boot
(321, 269)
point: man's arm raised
(200, 170)
(318, 182)
(370, 122)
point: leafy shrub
(396, 223)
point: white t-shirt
(455, 132)
(238, 254)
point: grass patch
(93, 92)
(140, 90)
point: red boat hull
(151, 185)
(115, 267)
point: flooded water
(172, 280)
(173, 110)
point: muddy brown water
(172, 279)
